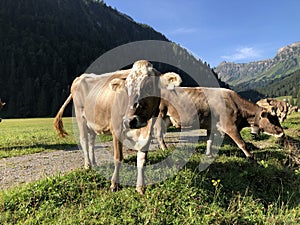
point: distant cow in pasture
(293, 109)
(218, 110)
(276, 107)
(1, 106)
(122, 103)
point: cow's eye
(141, 106)
(135, 105)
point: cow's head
(140, 93)
(282, 110)
(2, 104)
(277, 107)
(268, 123)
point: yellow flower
(215, 182)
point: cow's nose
(254, 130)
(134, 123)
(131, 123)
(282, 135)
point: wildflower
(215, 182)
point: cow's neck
(249, 111)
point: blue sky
(218, 30)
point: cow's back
(93, 98)
(212, 105)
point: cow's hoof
(87, 167)
(252, 160)
(139, 190)
(210, 156)
(254, 136)
(114, 188)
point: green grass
(230, 191)
(27, 136)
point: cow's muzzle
(134, 122)
(254, 130)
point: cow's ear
(117, 84)
(264, 114)
(170, 80)
(273, 111)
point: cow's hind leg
(210, 139)
(91, 148)
(159, 130)
(83, 136)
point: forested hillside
(46, 43)
(285, 85)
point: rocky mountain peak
(286, 61)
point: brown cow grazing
(293, 109)
(1, 106)
(122, 103)
(219, 110)
(276, 107)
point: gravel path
(29, 168)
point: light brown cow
(122, 103)
(293, 109)
(276, 107)
(1, 106)
(218, 110)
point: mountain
(286, 61)
(271, 77)
(45, 44)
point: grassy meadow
(230, 191)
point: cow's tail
(58, 123)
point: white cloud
(244, 53)
(183, 30)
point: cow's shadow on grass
(267, 183)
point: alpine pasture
(230, 191)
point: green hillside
(280, 86)
(45, 44)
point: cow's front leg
(118, 157)
(237, 138)
(141, 159)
